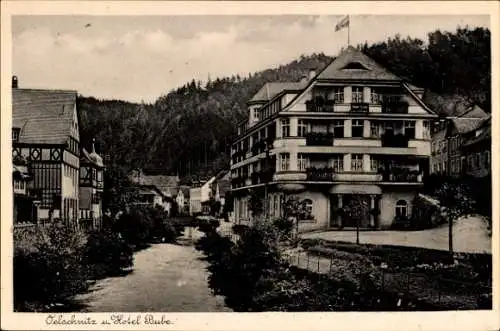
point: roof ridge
(44, 90)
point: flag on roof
(344, 22)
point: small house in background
(182, 200)
(155, 190)
(199, 196)
(25, 203)
(91, 188)
(152, 196)
(476, 150)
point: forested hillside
(189, 130)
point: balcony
(320, 174)
(258, 147)
(238, 181)
(394, 140)
(320, 105)
(402, 175)
(395, 107)
(360, 107)
(319, 139)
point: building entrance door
(356, 208)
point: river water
(165, 278)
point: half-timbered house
(45, 132)
(91, 187)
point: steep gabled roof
(352, 58)
(471, 120)
(270, 90)
(446, 104)
(43, 116)
(167, 184)
(483, 136)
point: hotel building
(352, 133)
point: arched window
(307, 209)
(401, 208)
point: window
(357, 94)
(256, 114)
(357, 162)
(374, 129)
(401, 208)
(444, 166)
(308, 207)
(388, 127)
(374, 164)
(302, 128)
(374, 96)
(337, 163)
(15, 134)
(357, 128)
(433, 147)
(338, 129)
(487, 159)
(339, 95)
(285, 127)
(276, 204)
(284, 161)
(302, 162)
(19, 185)
(427, 130)
(410, 129)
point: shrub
(425, 215)
(106, 254)
(285, 226)
(134, 227)
(51, 270)
(239, 228)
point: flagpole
(348, 31)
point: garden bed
(461, 282)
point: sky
(139, 58)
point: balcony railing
(395, 107)
(319, 106)
(394, 140)
(360, 107)
(401, 175)
(320, 174)
(319, 139)
(238, 181)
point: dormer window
(355, 66)
(15, 134)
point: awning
(355, 189)
(291, 188)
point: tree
(356, 209)
(456, 201)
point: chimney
(312, 73)
(14, 82)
